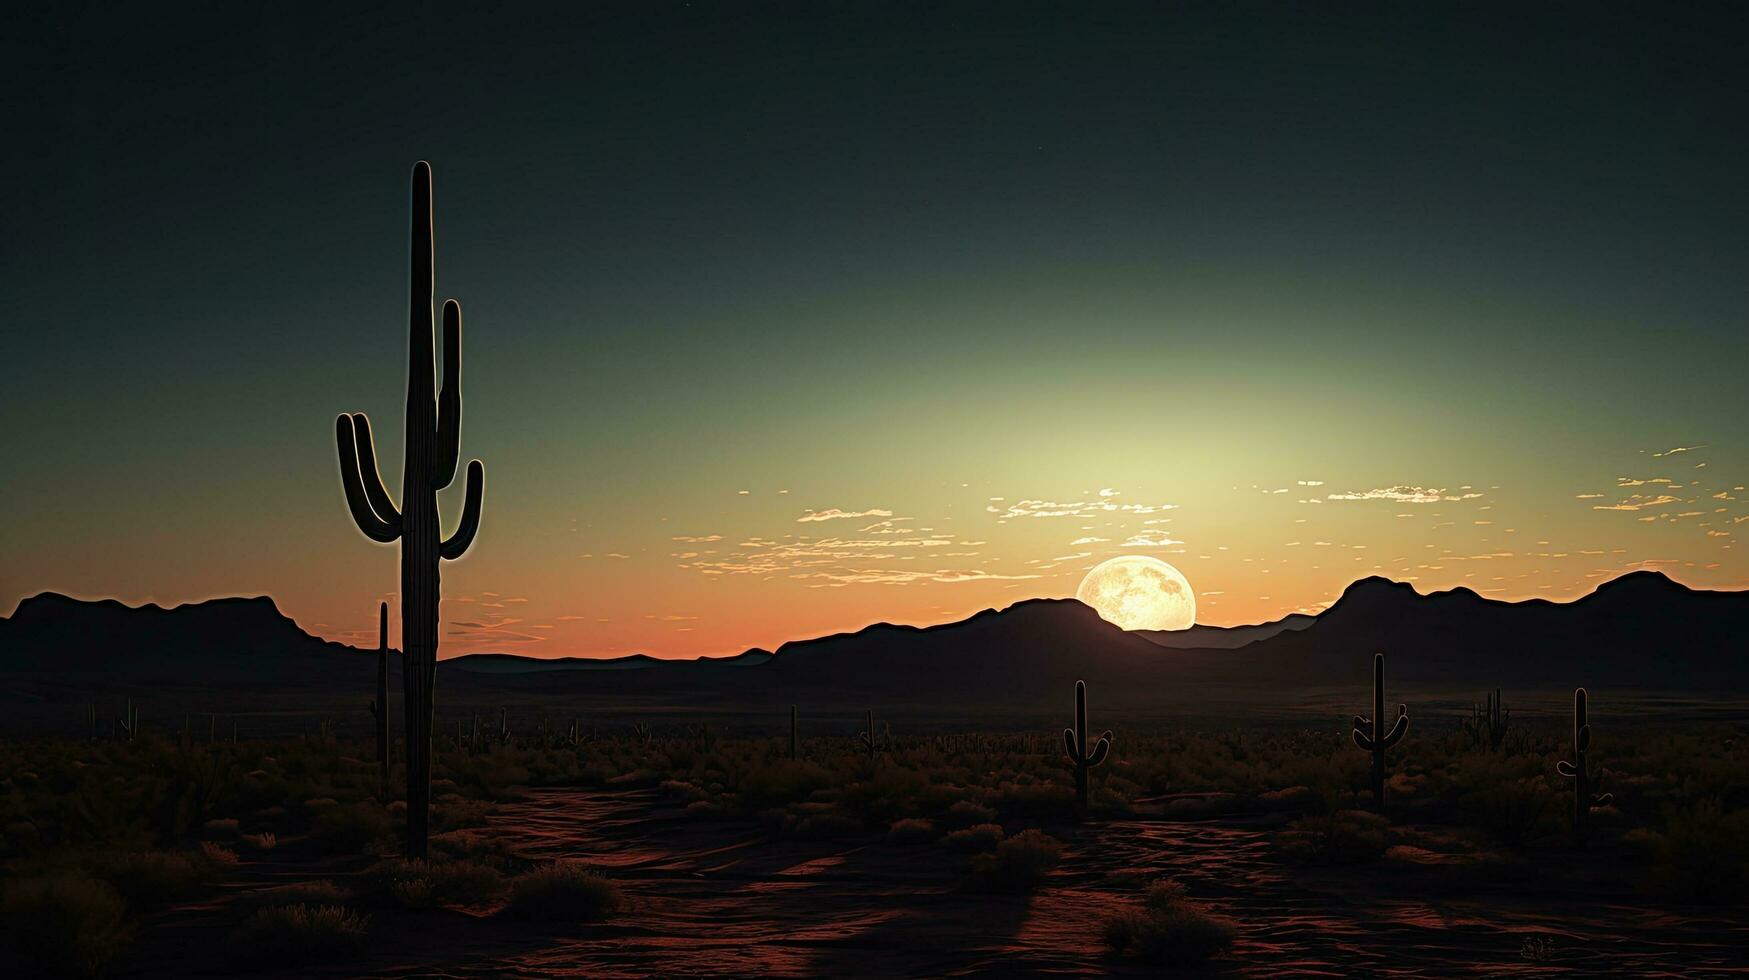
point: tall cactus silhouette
(1378, 740)
(1075, 741)
(1584, 780)
(792, 733)
(379, 708)
(433, 444)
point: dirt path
(714, 898)
(709, 897)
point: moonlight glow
(1139, 593)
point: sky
(785, 319)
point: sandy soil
(715, 898)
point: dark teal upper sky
(861, 245)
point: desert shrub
(417, 884)
(967, 813)
(264, 841)
(60, 925)
(1340, 837)
(911, 830)
(318, 892)
(1703, 855)
(352, 828)
(565, 891)
(298, 935)
(1019, 864)
(1168, 930)
(982, 837)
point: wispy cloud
(1638, 502)
(1405, 494)
(697, 538)
(1151, 539)
(1085, 507)
(834, 514)
(1678, 449)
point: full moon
(1139, 593)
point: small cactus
(1378, 740)
(130, 720)
(1584, 779)
(869, 740)
(1487, 726)
(1081, 756)
(641, 731)
(379, 708)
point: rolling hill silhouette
(1641, 631)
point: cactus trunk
(792, 733)
(432, 444)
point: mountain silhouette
(1640, 632)
(229, 642)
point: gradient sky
(1280, 294)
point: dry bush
(565, 891)
(417, 884)
(298, 935)
(1168, 930)
(60, 925)
(1019, 864)
(911, 830)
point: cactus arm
(1362, 739)
(1565, 768)
(373, 526)
(374, 491)
(1584, 738)
(1070, 746)
(457, 544)
(1101, 749)
(449, 403)
(1397, 730)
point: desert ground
(657, 849)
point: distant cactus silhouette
(1487, 726)
(432, 447)
(792, 733)
(867, 735)
(1378, 740)
(1584, 780)
(379, 708)
(1075, 741)
(130, 720)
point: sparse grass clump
(1168, 929)
(981, 837)
(565, 891)
(416, 884)
(148, 879)
(352, 828)
(298, 935)
(60, 925)
(1019, 864)
(1340, 837)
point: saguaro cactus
(1075, 741)
(433, 443)
(1579, 771)
(1487, 726)
(379, 708)
(1378, 740)
(792, 733)
(867, 735)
